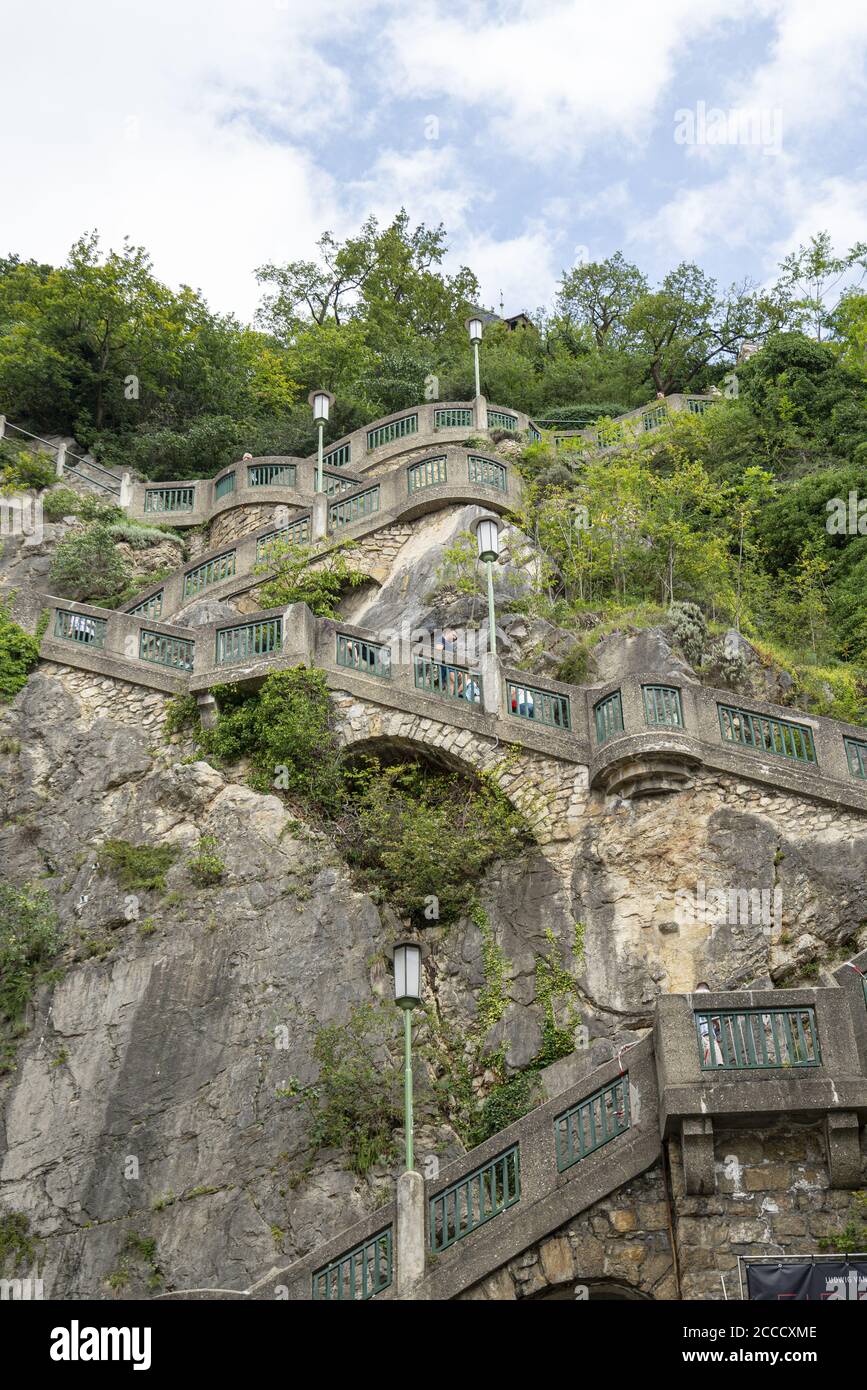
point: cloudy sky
(224, 135)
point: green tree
(812, 278)
(598, 295)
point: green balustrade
(162, 650)
(608, 715)
(151, 607)
(333, 485)
(535, 435)
(697, 407)
(538, 706)
(475, 1200)
(210, 572)
(856, 756)
(224, 486)
(397, 429)
(652, 419)
(757, 1039)
(487, 472)
(80, 628)
(360, 1273)
(594, 1121)
(426, 473)
(662, 705)
(608, 433)
(360, 655)
(501, 420)
(271, 474)
(169, 499)
(351, 509)
(780, 737)
(296, 533)
(453, 417)
(249, 640)
(339, 457)
(447, 681)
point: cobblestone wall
(240, 521)
(115, 699)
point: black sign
(822, 1281)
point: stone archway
(593, 1291)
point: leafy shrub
(23, 470)
(141, 867)
(689, 628)
(182, 712)
(355, 1105)
(504, 1104)
(295, 581)
(62, 501)
(206, 867)
(142, 537)
(17, 1246)
(29, 937)
(19, 653)
(88, 568)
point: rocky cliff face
(147, 1132)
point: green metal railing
(149, 608)
(426, 473)
(754, 1039)
(452, 418)
(594, 1121)
(475, 1199)
(339, 457)
(487, 472)
(662, 705)
(354, 508)
(535, 435)
(609, 717)
(856, 756)
(211, 572)
(500, 420)
(780, 737)
(163, 650)
(398, 429)
(296, 533)
(358, 655)
(539, 706)
(449, 682)
(169, 499)
(360, 1273)
(698, 407)
(608, 433)
(80, 628)
(271, 474)
(224, 486)
(248, 640)
(333, 485)
(652, 419)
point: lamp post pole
(321, 401)
(407, 1086)
(319, 460)
(474, 328)
(488, 537)
(476, 365)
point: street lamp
(474, 328)
(321, 401)
(488, 537)
(407, 996)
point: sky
(223, 136)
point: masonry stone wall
(623, 1240)
(239, 521)
(121, 701)
(773, 1198)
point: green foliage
(853, 1236)
(493, 997)
(301, 576)
(504, 1104)
(29, 938)
(21, 470)
(356, 1103)
(137, 867)
(88, 568)
(206, 867)
(554, 982)
(182, 713)
(18, 1248)
(19, 653)
(689, 628)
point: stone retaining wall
(105, 696)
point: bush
(356, 1105)
(88, 568)
(206, 868)
(141, 537)
(295, 581)
(689, 628)
(505, 1104)
(137, 867)
(29, 937)
(22, 470)
(19, 653)
(62, 501)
